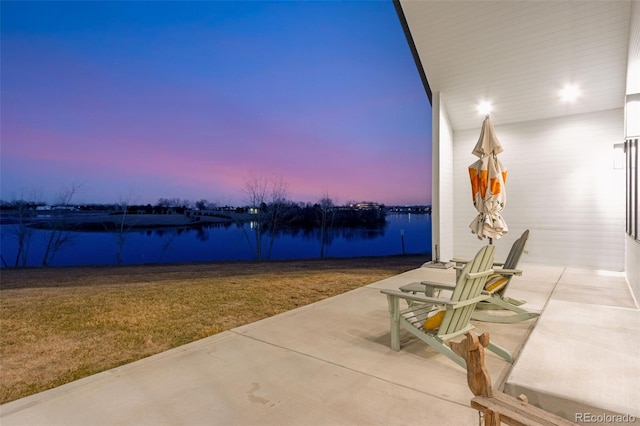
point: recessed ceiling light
(570, 93)
(485, 107)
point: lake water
(226, 242)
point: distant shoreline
(105, 221)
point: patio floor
(329, 363)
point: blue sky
(191, 100)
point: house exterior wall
(632, 252)
(632, 266)
(442, 184)
(561, 185)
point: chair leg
(394, 310)
(515, 302)
(438, 345)
(500, 351)
(521, 314)
(489, 305)
(503, 319)
(445, 350)
(432, 292)
(486, 305)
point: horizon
(191, 100)
(192, 203)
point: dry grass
(62, 324)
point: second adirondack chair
(434, 320)
(495, 286)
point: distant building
(366, 205)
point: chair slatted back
(516, 251)
(513, 258)
(467, 288)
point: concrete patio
(329, 363)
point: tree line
(266, 205)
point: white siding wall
(632, 266)
(442, 184)
(561, 186)
(632, 261)
(633, 59)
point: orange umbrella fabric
(488, 185)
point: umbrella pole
(437, 263)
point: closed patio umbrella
(488, 179)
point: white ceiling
(519, 54)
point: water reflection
(227, 241)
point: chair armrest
(435, 300)
(424, 285)
(441, 286)
(474, 275)
(465, 261)
(412, 287)
(417, 297)
(516, 272)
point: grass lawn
(61, 324)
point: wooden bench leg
(491, 418)
(497, 406)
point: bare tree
(171, 205)
(256, 190)
(23, 232)
(202, 204)
(122, 229)
(60, 234)
(327, 215)
(23, 213)
(277, 208)
(268, 200)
